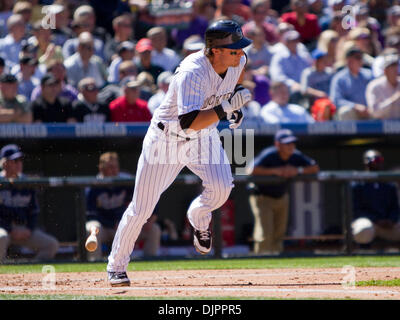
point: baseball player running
(205, 89)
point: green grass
(379, 283)
(196, 264)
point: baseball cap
(393, 40)
(359, 33)
(29, 46)
(22, 6)
(8, 78)
(11, 152)
(332, 3)
(48, 79)
(389, 60)
(28, 60)
(54, 8)
(130, 82)
(143, 45)
(318, 53)
(164, 77)
(88, 84)
(193, 44)
(291, 35)
(353, 50)
(125, 46)
(285, 136)
(394, 11)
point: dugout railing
(79, 183)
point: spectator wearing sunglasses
(57, 69)
(13, 106)
(383, 93)
(129, 107)
(348, 86)
(113, 90)
(83, 21)
(260, 12)
(88, 108)
(126, 52)
(84, 63)
(304, 22)
(123, 31)
(26, 77)
(203, 12)
(162, 56)
(288, 64)
(11, 44)
(49, 107)
(144, 60)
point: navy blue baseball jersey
(269, 158)
(19, 207)
(107, 204)
(375, 201)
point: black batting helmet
(373, 159)
(217, 34)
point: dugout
(68, 150)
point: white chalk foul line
(227, 275)
(240, 275)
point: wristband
(219, 110)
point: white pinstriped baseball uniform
(195, 86)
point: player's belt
(162, 127)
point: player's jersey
(196, 86)
(18, 206)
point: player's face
(281, 95)
(355, 61)
(231, 56)
(110, 169)
(90, 92)
(13, 167)
(9, 90)
(286, 149)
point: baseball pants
(270, 222)
(161, 160)
(43, 244)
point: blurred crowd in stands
(112, 61)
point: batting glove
(236, 118)
(239, 98)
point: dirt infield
(277, 283)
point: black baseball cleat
(202, 241)
(118, 279)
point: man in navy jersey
(105, 206)
(376, 208)
(19, 210)
(270, 202)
